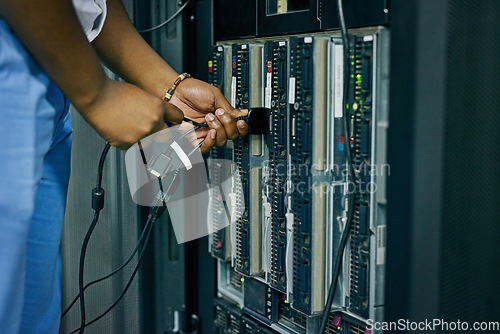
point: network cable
(337, 264)
(167, 21)
(156, 210)
(97, 206)
(141, 239)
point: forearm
(51, 32)
(126, 53)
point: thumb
(222, 103)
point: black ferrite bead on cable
(257, 120)
(97, 199)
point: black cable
(167, 21)
(155, 213)
(97, 205)
(151, 219)
(101, 165)
(189, 132)
(141, 238)
(201, 125)
(351, 176)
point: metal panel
(112, 242)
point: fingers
(214, 123)
(241, 124)
(228, 123)
(209, 141)
(239, 113)
(221, 101)
(172, 114)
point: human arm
(120, 112)
(126, 53)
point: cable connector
(97, 199)
(257, 120)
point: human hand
(202, 102)
(123, 114)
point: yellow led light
(242, 279)
(210, 63)
(286, 301)
(358, 76)
(355, 106)
(352, 63)
(352, 75)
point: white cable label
(381, 238)
(339, 80)
(291, 91)
(268, 90)
(180, 153)
(233, 92)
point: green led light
(352, 75)
(347, 106)
(352, 57)
(352, 63)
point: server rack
(299, 81)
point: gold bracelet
(177, 81)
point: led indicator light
(340, 147)
(234, 58)
(242, 279)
